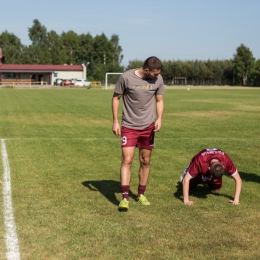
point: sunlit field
(64, 167)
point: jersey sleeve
(120, 85)
(230, 168)
(161, 88)
(194, 168)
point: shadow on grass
(108, 188)
(252, 177)
(201, 191)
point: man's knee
(127, 160)
(145, 161)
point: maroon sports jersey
(200, 163)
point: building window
(9, 76)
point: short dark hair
(152, 63)
(216, 170)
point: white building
(23, 73)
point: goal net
(111, 79)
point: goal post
(111, 73)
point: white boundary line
(11, 239)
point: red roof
(35, 67)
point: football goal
(112, 79)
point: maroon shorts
(214, 184)
(138, 138)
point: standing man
(208, 167)
(142, 91)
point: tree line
(242, 70)
(101, 54)
(98, 53)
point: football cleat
(124, 204)
(143, 200)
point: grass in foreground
(65, 163)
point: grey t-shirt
(139, 109)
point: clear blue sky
(169, 29)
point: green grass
(64, 162)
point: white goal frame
(110, 73)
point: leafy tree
(55, 48)
(255, 73)
(86, 49)
(133, 64)
(202, 71)
(177, 68)
(12, 48)
(102, 47)
(228, 75)
(39, 49)
(166, 72)
(117, 55)
(98, 72)
(37, 33)
(70, 47)
(218, 72)
(106, 56)
(188, 69)
(243, 63)
(26, 55)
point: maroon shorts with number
(138, 138)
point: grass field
(64, 165)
